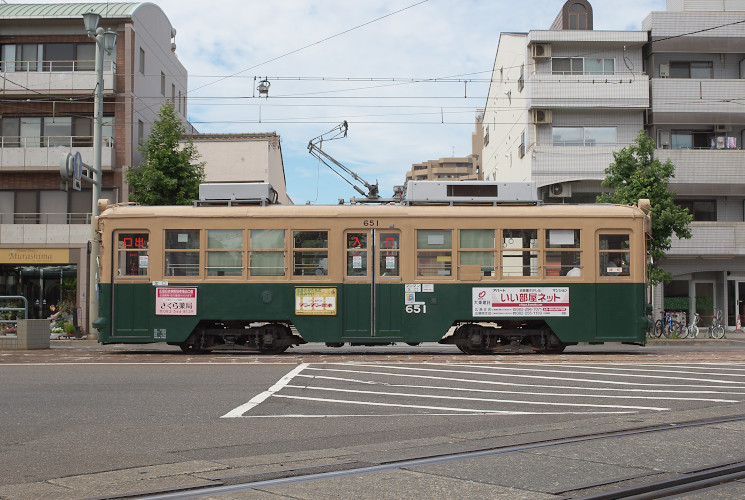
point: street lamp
(105, 41)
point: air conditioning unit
(720, 128)
(541, 116)
(540, 50)
(664, 70)
(561, 190)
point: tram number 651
(416, 309)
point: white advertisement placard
(521, 302)
(176, 301)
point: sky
(407, 75)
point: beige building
(47, 82)
(466, 168)
(243, 158)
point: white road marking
(580, 372)
(440, 408)
(528, 393)
(483, 400)
(668, 370)
(660, 389)
(591, 381)
(260, 398)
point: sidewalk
(730, 338)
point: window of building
(162, 84)
(692, 69)
(173, 94)
(582, 66)
(434, 254)
(521, 148)
(477, 248)
(701, 210)
(521, 80)
(613, 254)
(26, 207)
(140, 132)
(310, 254)
(267, 252)
(141, 65)
(182, 252)
(577, 17)
(520, 252)
(132, 254)
(562, 252)
(224, 252)
(584, 136)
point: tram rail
(691, 480)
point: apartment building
(46, 108)
(695, 59)
(562, 100)
(465, 168)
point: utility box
(464, 192)
(236, 193)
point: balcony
(21, 78)
(706, 171)
(711, 239)
(44, 153)
(587, 91)
(45, 234)
(553, 164)
(683, 100)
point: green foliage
(636, 174)
(168, 175)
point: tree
(168, 175)
(636, 174)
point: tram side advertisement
(521, 302)
(176, 301)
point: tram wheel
(275, 349)
(413, 344)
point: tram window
(182, 252)
(267, 252)
(389, 254)
(356, 254)
(310, 256)
(132, 254)
(434, 256)
(563, 257)
(482, 239)
(614, 254)
(224, 252)
(520, 252)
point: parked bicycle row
(668, 327)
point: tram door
(372, 291)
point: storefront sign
(315, 301)
(176, 301)
(521, 302)
(34, 256)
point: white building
(562, 100)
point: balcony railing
(711, 239)
(34, 66)
(55, 77)
(53, 141)
(46, 218)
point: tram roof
(367, 211)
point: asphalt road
(81, 422)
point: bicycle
(666, 327)
(716, 329)
(692, 329)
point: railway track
(712, 475)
